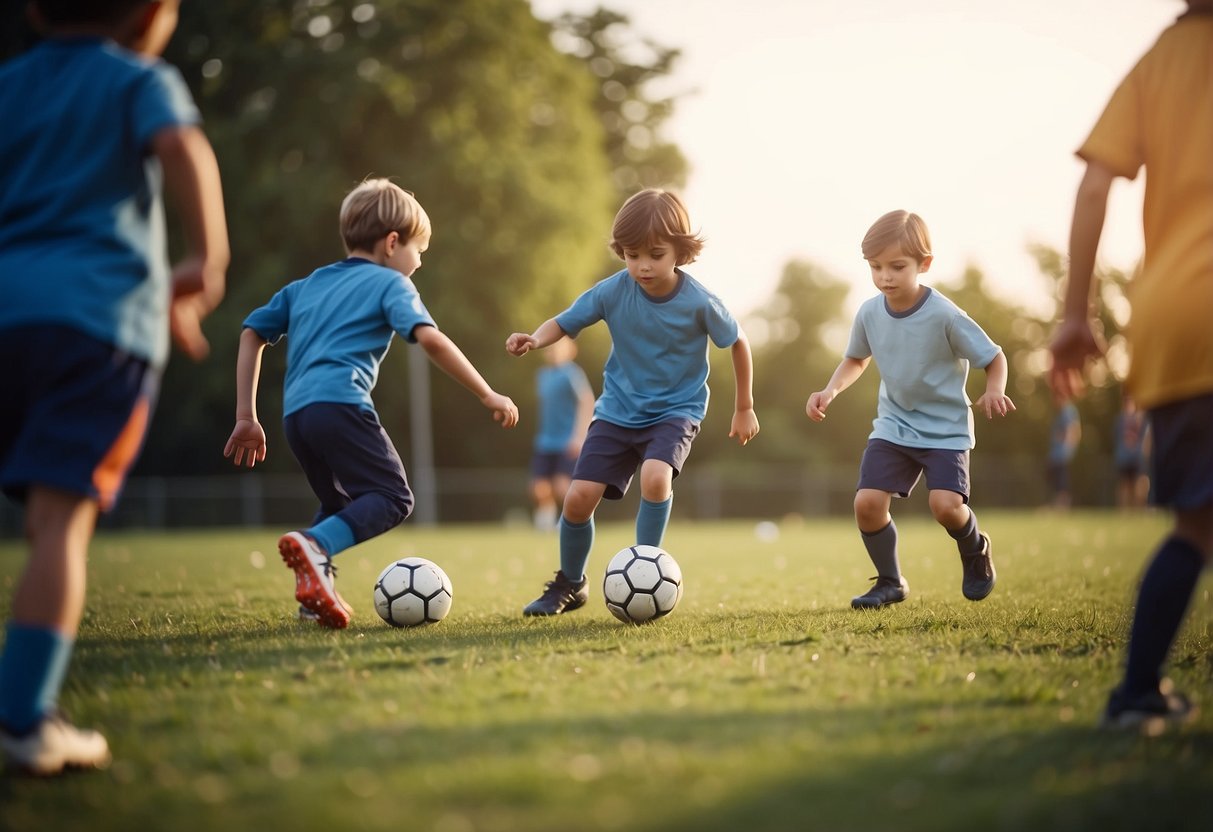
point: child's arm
(248, 437)
(192, 177)
(995, 399)
(1075, 341)
(847, 373)
(745, 421)
(549, 332)
(447, 356)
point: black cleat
(979, 574)
(560, 595)
(1150, 712)
(885, 591)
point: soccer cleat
(53, 745)
(314, 573)
(1150, 713)
(559, 595)
(979, 574)
(307, 615)
(884, 592)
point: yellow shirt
(1161, 116)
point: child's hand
(815, 407)
(185, 316)
(745, 425)
(520, 343)
(247, 442)
(503, 408)
(991, 403)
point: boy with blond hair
(339, 322)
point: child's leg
(577, 527)
(951, 512)
(656, 500)
(879, 532)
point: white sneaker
(54, 745)
(307, 615)
(314, 573)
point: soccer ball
(642, 583)
(412, 591)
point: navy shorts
(1183, 453)
(896, 469)
(75, 414)
(611, 453)
(546, 466)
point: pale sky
(805, 120)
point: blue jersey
(82, 239)
(923, 355)
(658, 366)
(339, 322)
(560, 388)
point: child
(654, 389)
(91, 117)
(1132, 433)
(923, 345)
(1161, 116)
(566, 406)
(1064, 436)
(340, 321)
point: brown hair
(378, 207)
(900, 227)
(652, 215)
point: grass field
(762, 703)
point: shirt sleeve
(1116, 140)
(162, 99)
(585, 311)
(969, 341)
(404, 310)
(271, 321)
(858, 346)
(720, 323)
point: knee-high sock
(576, 540)
(1166, 589)
(32, 670)
(967, 537)
(651, 520)
(882, 549)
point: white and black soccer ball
(413, 591)
(642, 583)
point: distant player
(1159, 118)
(1064, 436)
(655, 390)
(1131, 439)
(566, 407)
(339, 322)
(923, 345)
(90, 122)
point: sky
(805, 120)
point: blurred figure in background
(1132, 441)
(566, 406)
(1063, 444)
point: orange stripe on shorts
(111, 471)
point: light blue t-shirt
(339, 322)
(560, 388)
(923, 355)
(658, 366)
(82, 239)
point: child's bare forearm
(248, 374)
(743, 372)
(447, 356)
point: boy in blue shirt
(654, 390)
(566, 407)
(923, 345)
(92, 121)
(340, 321)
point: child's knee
(947, 507)
(871, 510)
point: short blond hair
(655, 215)
(378, 207)
(903, 228)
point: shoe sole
(856, 604)
(527, 612)
(309, 587)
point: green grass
(762, 703)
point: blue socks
(882, 549)
(576, 540)
(333, 534)
(651, 520)
(32, 670)
(968, 539)
(1162, 600)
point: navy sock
(967, 537)
(1166, 588)
(882, 549)
(651, 520)
(32, 670)
(576, 540)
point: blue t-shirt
(339, 322)
(560, 388)
(658, 366)
(1062, 446)
(923, 355)
(82, 239)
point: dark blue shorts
(612, 453)
(75, 413)
(896, 469)
(546, 466)
(1183, 453)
